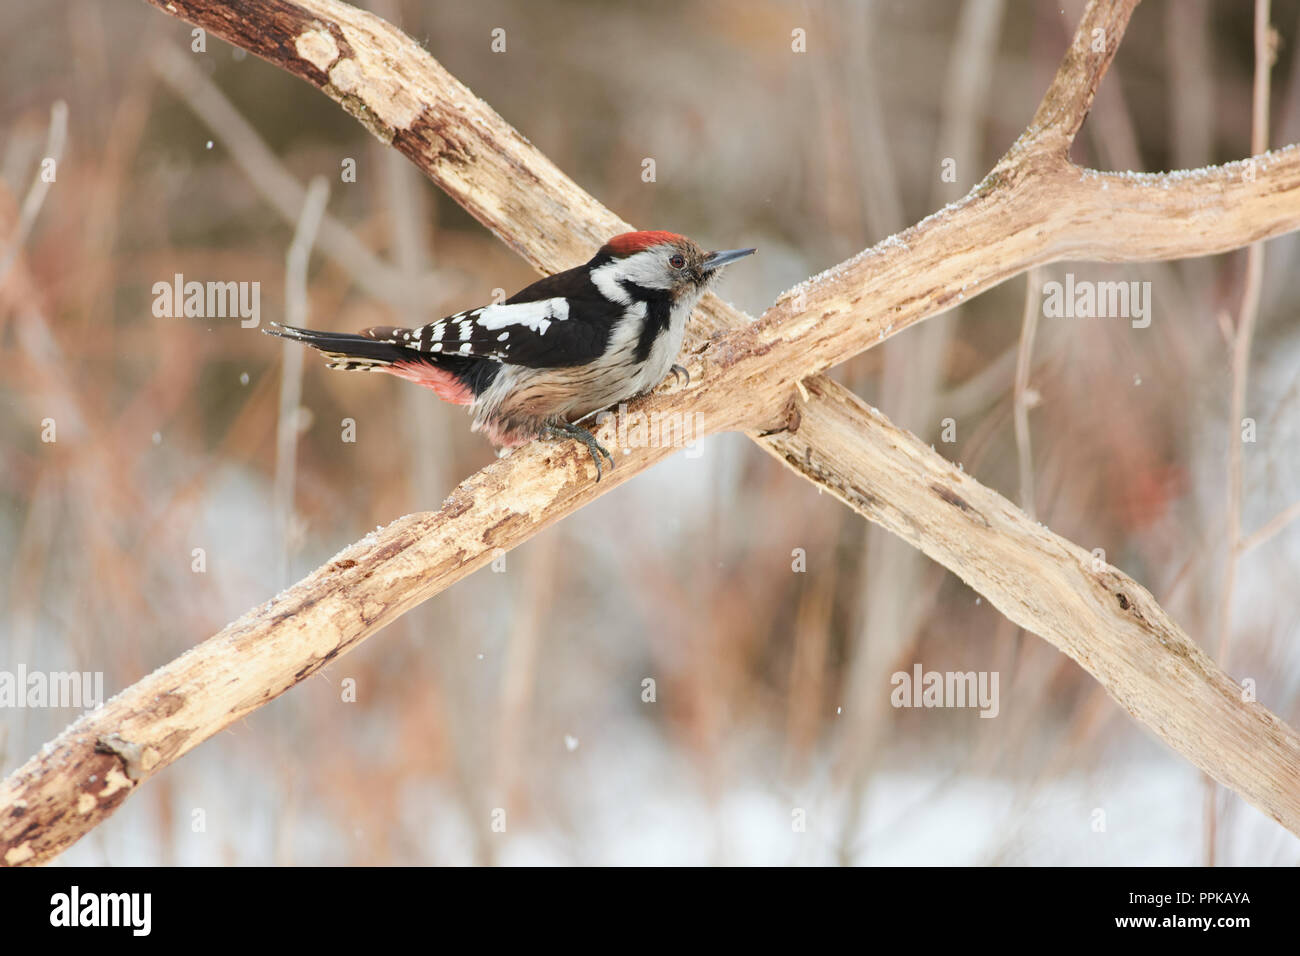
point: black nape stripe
(658, 315)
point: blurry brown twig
(1269, 528)
(35, 198)
(1034, 207)
(285, 194)
(296, 309)
(1024, 397)
(910, 388)
(1241, 342)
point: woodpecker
(553, 353)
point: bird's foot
(679, 372)
(567, 430)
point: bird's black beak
(716, 260)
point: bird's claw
(567, 430)
(680, 372)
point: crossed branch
(760, 376)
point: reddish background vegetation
(524, 688)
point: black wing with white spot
(546, 333)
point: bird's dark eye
(677, 261)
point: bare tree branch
(1096, 614)
(1067, 101)
(1034, 207)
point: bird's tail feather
(374, 351)
(352, 353)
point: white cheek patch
(649, 269)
